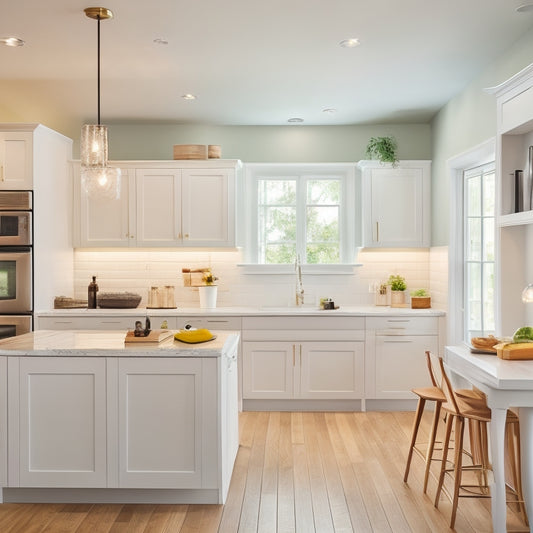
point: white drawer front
(404, 325)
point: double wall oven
(16, 263)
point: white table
(506, 384)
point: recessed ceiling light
(349, 43)
(12, 41)
(329, 110)
(524, 7)
(160, 40)
(295, 120)
(189, 96)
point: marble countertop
(355, 310)
(91, 343)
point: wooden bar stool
(425, 394)
(460, 409)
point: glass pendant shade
(527, 294)
(101, 182)
(93, 146)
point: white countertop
(368, 310)
(92, 343)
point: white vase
(208, 296)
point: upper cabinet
(162, 204)
(16, 160)
(396, 204)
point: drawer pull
(398, 340)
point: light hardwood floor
(295, 472)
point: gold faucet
(299, 286)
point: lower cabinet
(401, 365)
(395, 362)
(305, 370)
(59, 407)
(160, 434)
(121, 422)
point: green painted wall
(291, 143)
(465, 122)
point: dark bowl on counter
(118, 300)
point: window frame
(350, 204)
(474, 157)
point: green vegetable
(524, 334)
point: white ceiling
(252, 62)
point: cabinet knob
(186, 235)
(131, 236)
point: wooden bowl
(190, 151)
(214, 151)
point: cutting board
(515, 351)
(156, 335)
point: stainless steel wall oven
(16, 263)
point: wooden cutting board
(515, 351)
(156, 335)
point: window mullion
(301, 217)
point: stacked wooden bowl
(197, 151)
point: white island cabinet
(93, 418)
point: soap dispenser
(91, 294)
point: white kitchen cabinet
(208, 207)
(268, 370)
(302, 358)
(59, 407)
(165, 204)
(305, 370)
(396, 204)
(106, 221)
(514, 231)
(158, 207)
(160, 412)
(120, 422)
(395, 362)
(16, 160)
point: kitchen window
(479, 251)
(305, 210)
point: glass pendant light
(97, 178)
(527, 294)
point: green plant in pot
(383, 149)
(420, 299)
(397, 287)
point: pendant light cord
(98, 76)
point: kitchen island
(85, 417)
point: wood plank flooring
(295, 473)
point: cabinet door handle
(1, 172)
(179, 235)
(300, 355)
(293, 355)
(377, 231)
(397, 340)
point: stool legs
(418, 417)
(431, 444)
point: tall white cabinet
(514, 235)
(396, 204)
(34, 157)
(162, 204)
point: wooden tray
(156, 335)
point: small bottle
(91, 294)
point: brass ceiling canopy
(98, 13)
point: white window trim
(479, 155)
(350, 213)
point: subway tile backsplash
(137, 271)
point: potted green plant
(383, 149)
(420, 299)
(397, 287)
